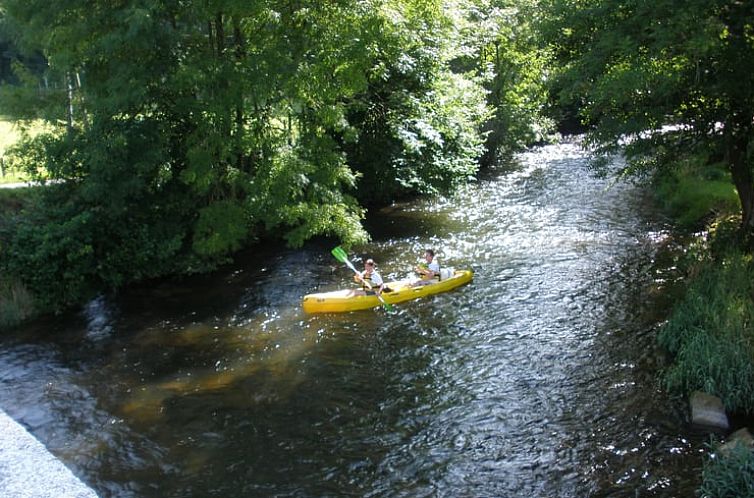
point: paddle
(341, 256)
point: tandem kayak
(352, 300)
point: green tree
(418, 121)
(501, 46)
(660, 80)
(182, 130)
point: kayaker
(371, 281)
(430, 270)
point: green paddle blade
(340, 254)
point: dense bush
(66, 253)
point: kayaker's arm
(341, 256)
(425, 272)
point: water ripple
(536, 379)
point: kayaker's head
(369, 265)
(429, 255)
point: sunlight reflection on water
(536, 379)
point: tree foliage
(181, 131)
(660, 80)
(514, 67)
(418, 121)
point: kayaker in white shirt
(430, 270)
(370, 278)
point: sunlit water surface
(537, 379)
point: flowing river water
(538, 379)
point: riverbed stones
(707, 412)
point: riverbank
(709, 333)
(710, 338)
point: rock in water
(707, 411)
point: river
(539, 378)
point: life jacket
(366, 280)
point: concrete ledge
(27, 469)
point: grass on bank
(16, 304)
(710, 332)
(729, 475)
(711, 335)
(696, 191)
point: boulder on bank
(708, 412)
(740, 437)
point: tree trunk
(736, 145)
(69, 83)
(739, 128)
(211, 36)
(240, 50)
(84, 116)
(220, 34)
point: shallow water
(537, 379)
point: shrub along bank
(16, 304)
(731, 476)
(710, 333)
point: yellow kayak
(352, 300)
